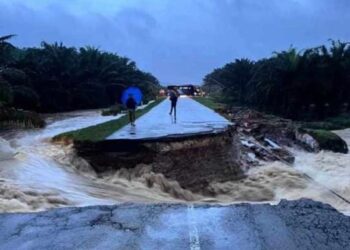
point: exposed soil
(203, 164)
(193, 161)
(262, 137)
(198, 162)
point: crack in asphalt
(302, 224)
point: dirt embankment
(269, 138)
(193, 161)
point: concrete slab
(302, 224)
(192, 117)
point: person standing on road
(131, 106)
(173, 95)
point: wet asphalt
(302, 224)
(192, 117)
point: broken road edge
(100, 131)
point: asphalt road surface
(302, 224)
(192, 117)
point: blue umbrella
(135, 92)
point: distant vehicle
(180, 91)
(188, 90)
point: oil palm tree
(5, 49)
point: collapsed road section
(193, 160)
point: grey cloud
(181, 41)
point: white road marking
(193, 231)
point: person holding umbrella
(131, 97)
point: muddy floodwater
(37, 175)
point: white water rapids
(37, 175)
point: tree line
(56, 78)
(309, 84)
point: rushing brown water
(37, 175)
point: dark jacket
(173, 96)
(130, 103)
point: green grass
(209, 102)
(329, 140)
(101, 131)
(333, 123)
(342, 121)
(213, 104)
(11, 117)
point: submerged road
(302, 224)
(192, 117)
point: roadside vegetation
(331, 123)
(209, 102)
(101, 131)
(309, 85)
(13, 118)
(328, 140)
(321, 132)
(214, 104)
(56, 78)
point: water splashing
(37, 175)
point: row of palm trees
(54, 78)
(310, 84)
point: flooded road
(42, 175)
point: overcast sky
(179, 41)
